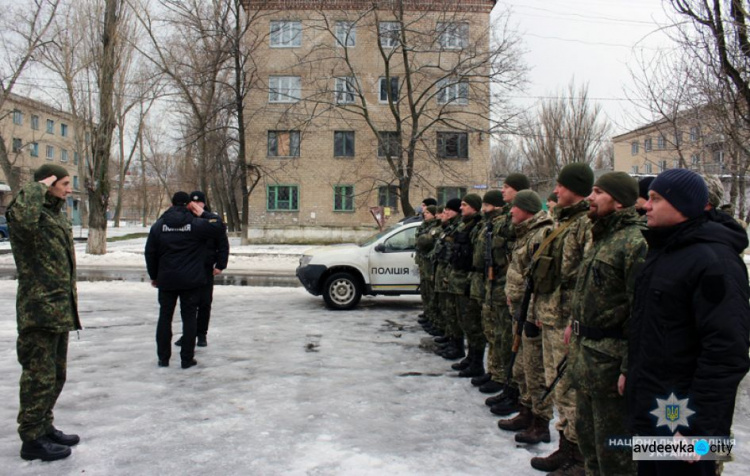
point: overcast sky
(593, 41)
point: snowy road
(285, 387)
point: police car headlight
(304, 261)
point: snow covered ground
(285, 387)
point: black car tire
(342, 291)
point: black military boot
(556, 459)
(442, 339)
(45, 449)
(497, 398)
(536, 433)
(463, 364)
(491, 387)
(57, 436)
(573, 466)
(476, 365)
(178, 342)
(481, 380)
(456, 351)
(202, 342)
(434, 331)
(507, 405)
(519, 422)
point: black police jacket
(176, 247)
(690, 329)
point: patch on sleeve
(713, 288)
(213, 220)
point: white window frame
(694, 133)
(453, 35)
(35, 122)
(634, 147)
(662, 165)
(17, 117)
(453, 92)
(648, 144)
(284, 89)
(50, 152)
(389, 33)
(695, 159)
(346, 34)
(634, 169)
(50, 126)
(661, 142)
(383, 92)
(345, 90)
(63, 130)
(63, 155)
(285, 34)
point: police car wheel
(341, 291)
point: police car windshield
(372, 239)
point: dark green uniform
(442, 255)
(46, 304)
(425, 243)
(468, 311)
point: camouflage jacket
(460, 270)
(503, 239)
(529, 235)
(556, 271)
(479, 264)
(426, 233)
(441, 253)
(42, 242)
(603, 298)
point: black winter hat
(197, 196)
(643, 185)
(429, 201)
(180, 198)
(473, 200)
(621, 186)
(578, 178)
(494, 198)
(454, 204)
(517, 181)
(48, 170)
(528, 200)
(684, 189)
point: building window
(453, 92)
(50, 152)
(384, 89)
(34, 149)
(343, 144)
(446, 193)
(661, 142)
(389, 144)
(17, 117)
(283, 143)
(647, 145)
(634, 148)
(35, 123)
(718, 156)
(76, 158)
(283, 89)
(50, 126)
(345, 90)
(343, 198)
(63, 155)
(453, 36)
(676, 163)
(695, 133)
(64, 130)
(647, 166)
(662, 165)
(75, 182)
(17, 144)
(283, 198)
(388, 196)
(695, 160)
(346, 34)
(453, 145)
(389, 33)
(286, 34)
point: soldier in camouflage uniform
(468, 311)
(556, 272)
(46, 307)
(498, 314)
(425, 243)
(454, 341)
(532, 226)
(601, 311)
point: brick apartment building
(36, 133)
(321, 121)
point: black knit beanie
(454, 204)
(517, 181)
(528, 200)
(494, 198)
(578, 178)
(684, 189)
(180, 198)
(48, 170)
(429, 201)
(473, 200)
(643, 185)
(621, 186)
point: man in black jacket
(690, 328)
(175, 261)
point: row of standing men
(593, 288)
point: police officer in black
(175, 259)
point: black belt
(597, 333)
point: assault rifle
(561, 367)
(489, 270)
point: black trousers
(206, 297)
(188, 311)
(676, 468)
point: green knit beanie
(517, 181)
(432, 209)
(47, 170)
(578, 178)
(528, 200)
(622, 187)
(473, 200)
(494, 198)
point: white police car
(382, 264)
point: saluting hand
(49, 180)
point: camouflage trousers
(496, 324)
(43, 357)
(528, 374)
(600, 418)
(448, 315)
(469, 317)
(563, 396)
(429, 303)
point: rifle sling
(551, 237)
